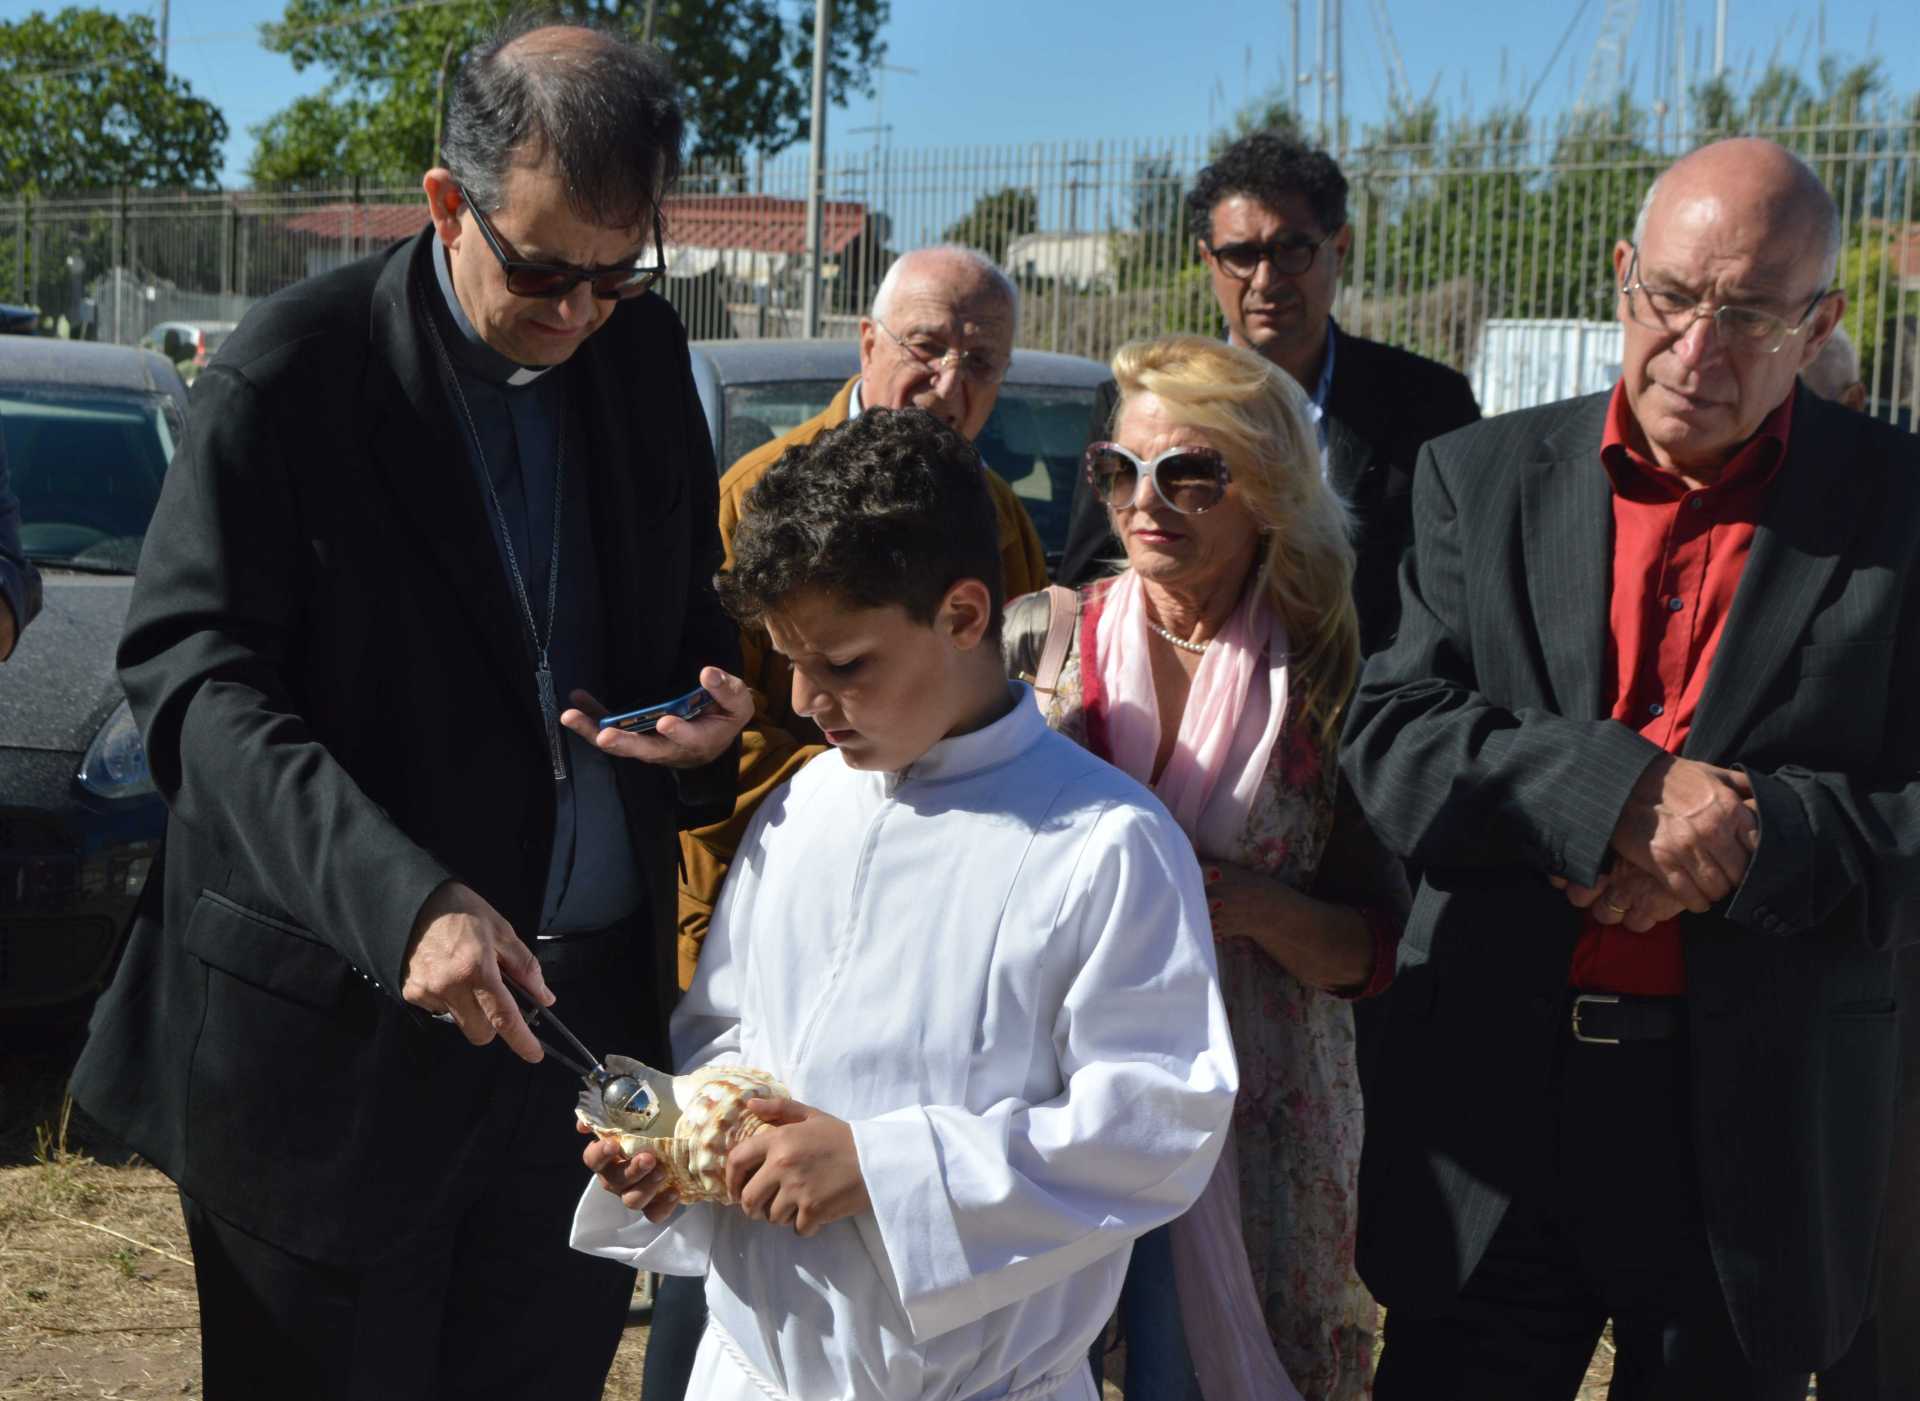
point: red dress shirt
(1677, 558)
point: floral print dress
(1297, 1122)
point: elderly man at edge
(939, 338)
(1646, 730)
(1835, 372)
(1885, 1358)
(424, 499)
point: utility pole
(817, 168)
(166, 16)
(1720, 38)
(1338, 143)
(1294, 74)
(1320, 77)
(1680, 71)
(646, 25)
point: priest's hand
(460, 951)
(675, 743)
(638, 1181)
(803, 1171)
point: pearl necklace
(1179, 642)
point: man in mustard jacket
(939, 339)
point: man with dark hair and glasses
(1647, 733)
(1270, 216)
(434, 511)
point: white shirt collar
(963, 756)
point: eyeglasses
(1290, 255)
(550, 281)
(936, 355)
(1191, 480)
(1738, 327)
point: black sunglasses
(549, 281)
(1290, 255)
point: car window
(86, 466)
(210, 340)
(1034, 439)
(759, 413)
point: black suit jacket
(1382, 405)
(1480, 750)
(339, 707)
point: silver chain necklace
(543, 669)
(1179, 642)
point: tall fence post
(229, 226)
(24, 213)
(117, 264)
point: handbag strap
(1063, 611)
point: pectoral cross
(550, 713)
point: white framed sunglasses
(1190, 480)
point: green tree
(1269, 112)
(84, 103)
(745, 68)
(995, 221)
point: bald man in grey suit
(1646, 730)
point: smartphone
(642, 722)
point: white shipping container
(1519, 364)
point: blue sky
(1002, 72)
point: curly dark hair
(1267, 166)
(891, 508)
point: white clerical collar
(480, 357)
(963, 756)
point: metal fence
(1459, 244)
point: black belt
(1611, 1019)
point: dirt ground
(96, 1281)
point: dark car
(89, 432)
(753, 391)
(189, 344)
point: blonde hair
(1260, 419)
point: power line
(280, 30)
(1558, 48)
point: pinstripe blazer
(1480, 750)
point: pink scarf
(1235, 708)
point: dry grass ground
(96, 1280)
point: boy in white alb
(979, 957)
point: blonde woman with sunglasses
(1215, 667)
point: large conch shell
(688, 1122)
